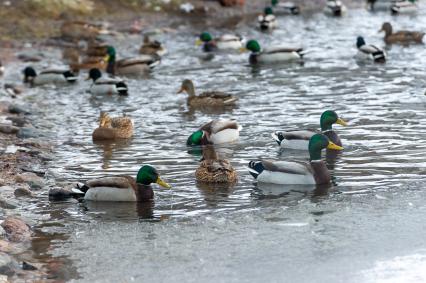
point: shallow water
(367, 227)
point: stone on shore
(31, 179)
(16, 229)
(23, 192)
(8, 129)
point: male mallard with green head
(48, 76)
(272, 55)
(293, 172)
(267, 20)
(402, 36)
(130, 66)
(216, 132)
(206, 99)
(123, 188)
(224, 42)
(113, 128)
(214, 170)
(106, 86)
(369, 51)
(299, 139)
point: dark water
(367, 227)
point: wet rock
(5, 246)
(6, 264)
(8, 129)
(16, 229)
(28, 266)
(23, 192)
(7, 204)
(25, 133)
(31, 179)
(2, 182)
(2, 233)
(18, 109)
(18, 121)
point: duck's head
(204, 37)
(387, 28)
(148, 175)
(360, 41)
(274, 2)
(197, 138)
(268, 11)
(29, 74)
(253, 46)
(94, 74)
(328, 118)
(110, 57)
(319, 142)
(104, 120)
(188, 87)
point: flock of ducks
(99, 57)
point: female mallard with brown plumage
(294, 172)
(215, 170)
(216, 132)
(130, 66)
(402, 36)
(152, 47)
(122, 188)
(81, 30)
(113, 128)
(206, 99)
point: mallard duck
(267, 20)
(152, 47)
(48, 76)
(106, 85)
(216, 132)
(293, 172)
(123, 188)
(113, 128)
(206, 99)
(81, 30)
(402, 37)
(335, 8)
(300, 139)
(130, 66)
(370, 51)
(224, 42)
(285, 7)
(271, 55)
(380, 5)
(404, 7)
(214, 170)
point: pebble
(8, 129)
(16, 229)
(31, 179)
(7, 204)
(5, 246)
(18, 109)
(23, 192)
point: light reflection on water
(384, 105)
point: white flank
(110, 194)
(295, 144)
(225, 136)
(278, 57)
(281, 178)
(234, 44)
(103, 89)
(49, 79)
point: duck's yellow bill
(198, 42)
(162, 183)
(334, 146)
(106, 58)
(341, 122)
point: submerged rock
(25, 133)
(6, 264)
(18, 109)
(16, 229)
(7, 204)
(23, 192)
(8, 129)
(31, 179)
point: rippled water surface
(367, 227)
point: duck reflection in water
(108, 148)
(268, 190)
(121, 210)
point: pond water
(367, 227)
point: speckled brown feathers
(113, 128)
(401, 37)
(215, 170)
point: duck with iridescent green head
(267, 20)
(299, 139)
(217, 131)
(273, 54)
(122, 188)
(295, 172)
(130, 66)
(224, 42)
